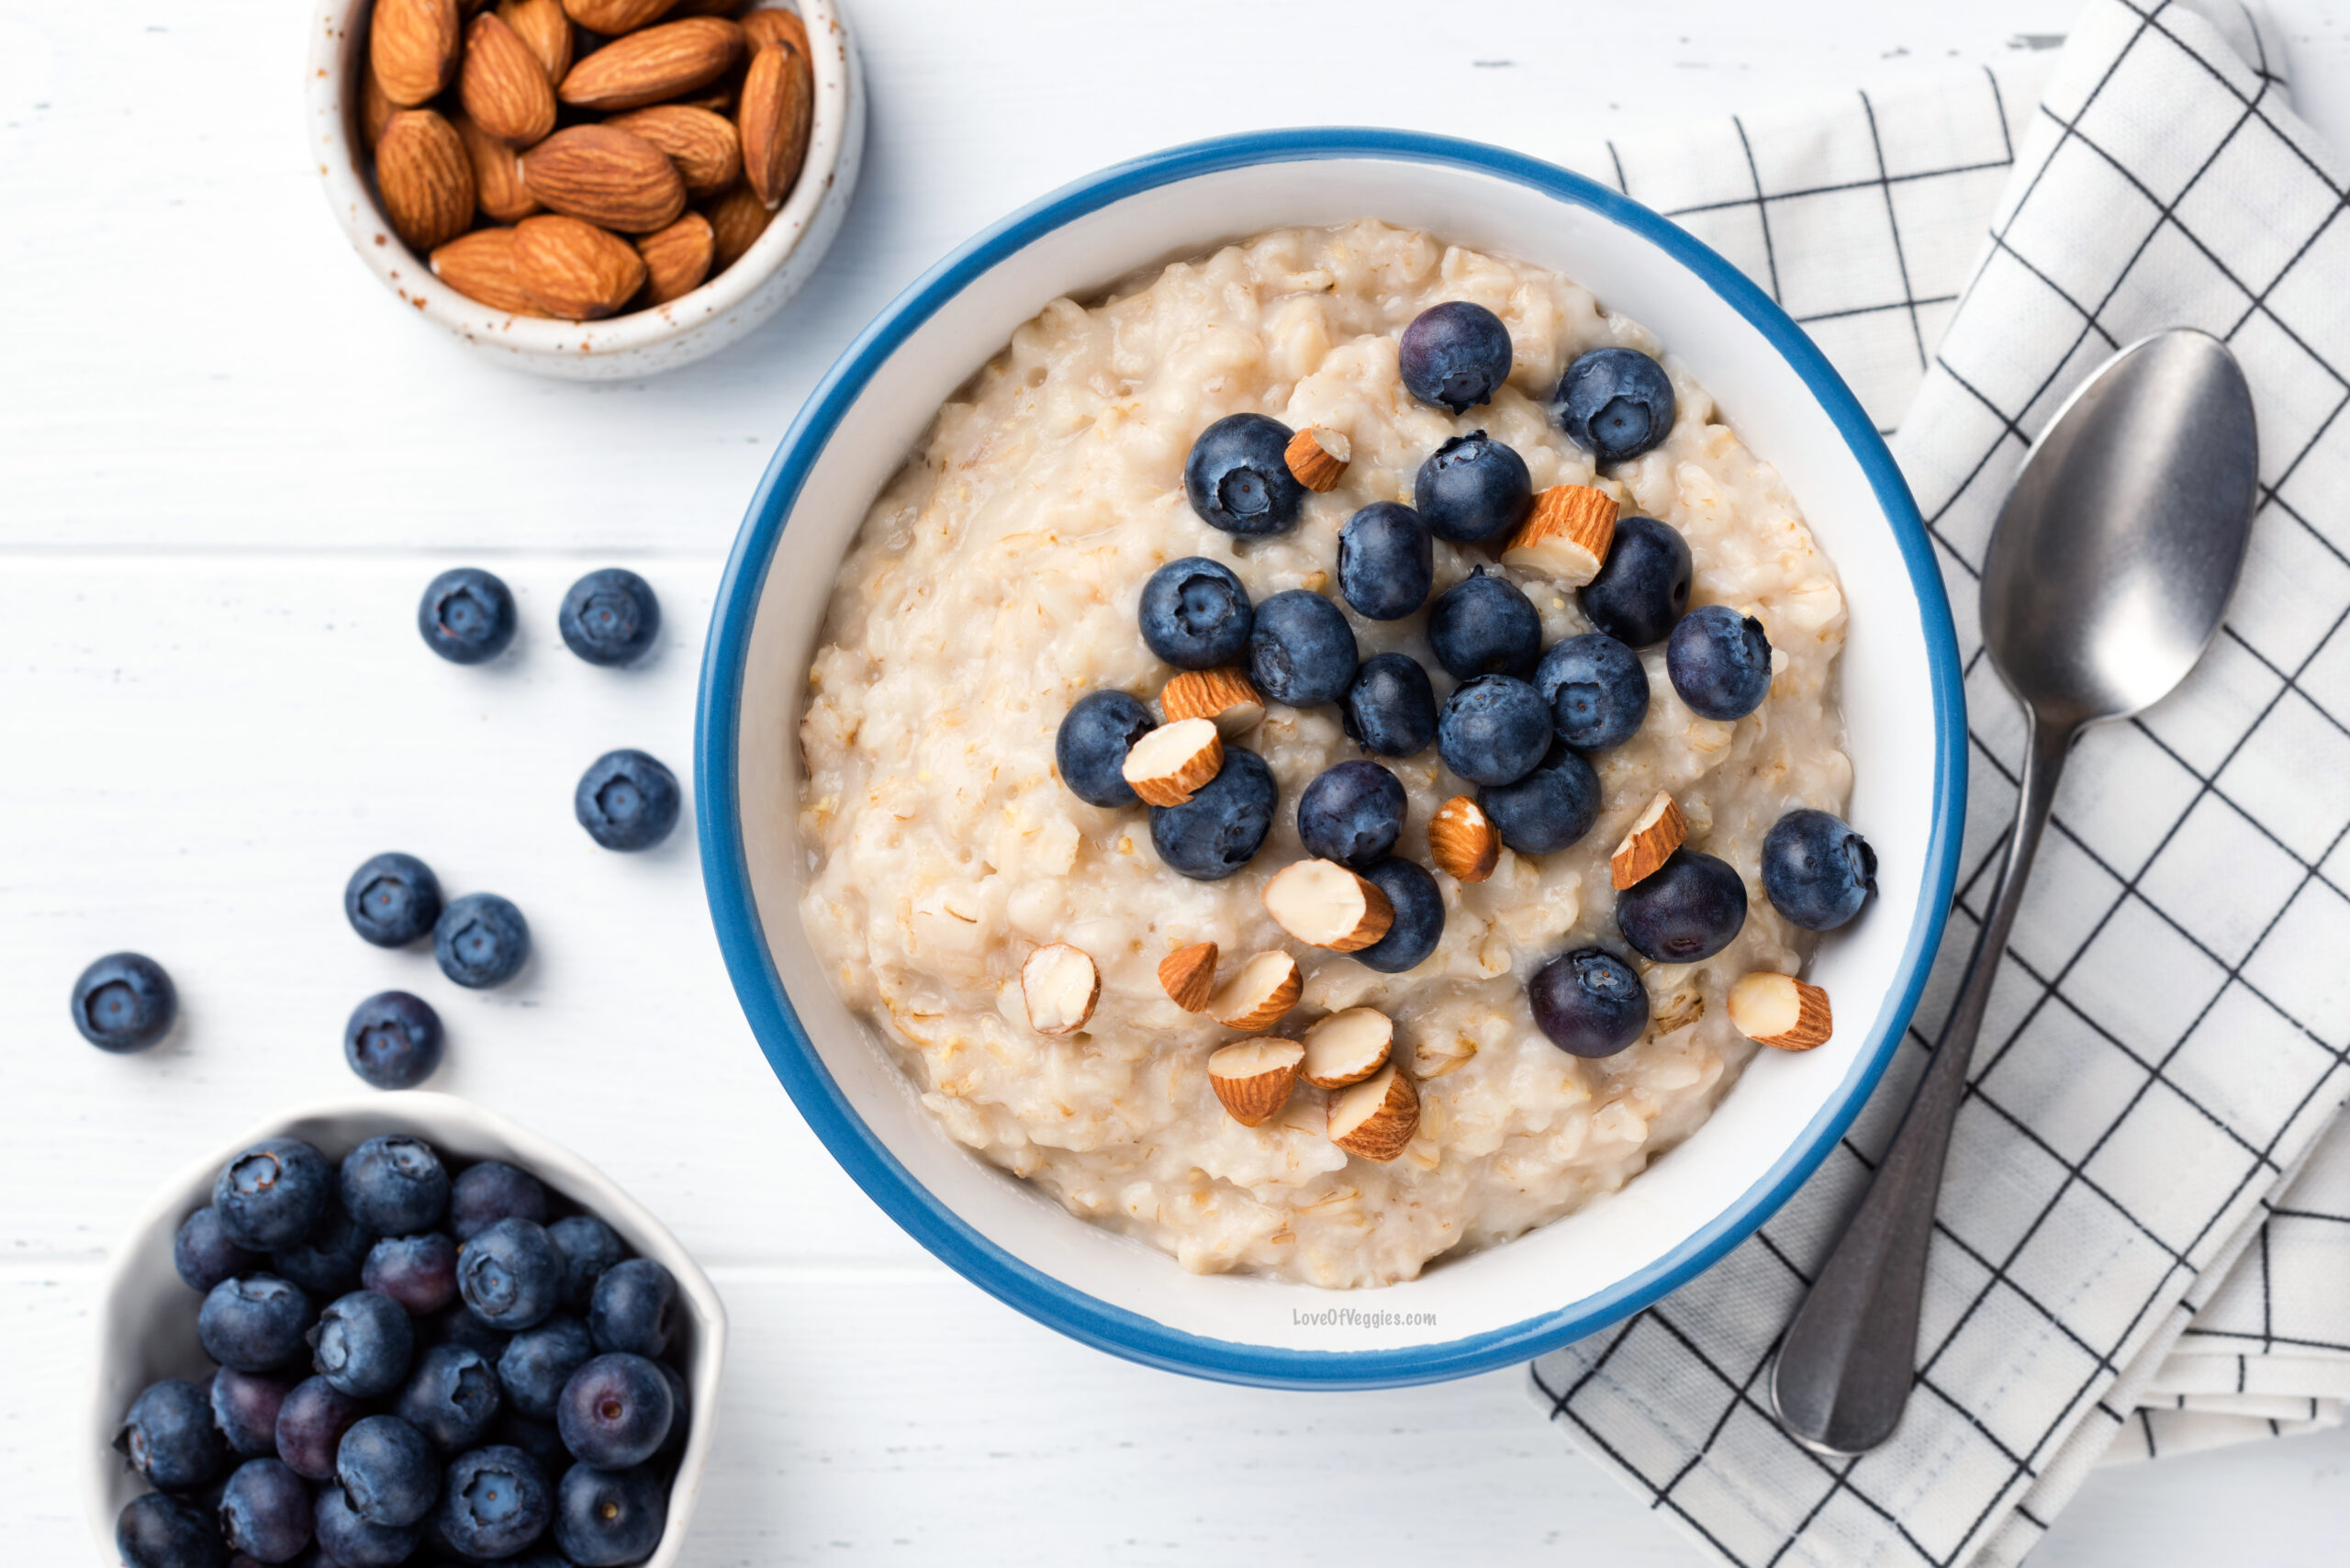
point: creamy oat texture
(996, 581)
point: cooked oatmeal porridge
(997, 581)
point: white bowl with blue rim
(1902, 705)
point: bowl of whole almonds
(589, 189)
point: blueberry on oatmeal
(1642, 588)
(1719, 662)
(1221, 827)
(1301, 651)
(1455, 355)
(1590, 1003)
(1386, 561)
(1090, 748)
(1418, 922)
(1389, 706)
(1688, 909)
(1195, 614)
(1473, 488)
(1597, 689)
(1549, 808)
(1485, 625)
(1494, 730)
(1815, 870)
(1616, 403)
(1238, 476)
(1352, 812)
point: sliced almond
(1175, 761)
(1253, 1078)
(1661, 830)
(1322, 904)
(1318, 457)
(1376, 1118)
(1060, 985)
(1567, 534)
(1461, 841)
(1348, 1047)
(1224, 695)
(1266, 986)
(480, 266)
(1188, 976)
(1780, 1010)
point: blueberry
(588, 1246)
(626, 799)
(679, 1418)
(254, 1324)
(1616, 403)
(1195, 614)
(387, 1471)
(392, 899)
(1549, 808)
(1352, 814)
(1644, 585)
(418, 1271)
(604, 1518)
(467, 616)
(266, 1512)
(395, 1185)
(1221, 827)
(635, 1308)
(1090, 749)
(481, 940)
(496, 1502)
(1386, 561)
(1473, 487)
(1719, 662)
(272, 1194)
(1456, 354)
(1419, 916)
(1484, 625)
(245, 1408)
(1687, 909)
(327, 1261)
(1815, 870)
(124, 1003)
(204, 1256)
(615, 1411)
(170, 1438)
(1238, 476)
(539, 1362)
(1302, 650)
(310, 1425)
(458, 1326)
(610, 617)
(363, 1344)
(1390, 708)
(509, 1275)
(1597, 689)
(1589, 1001)
(452, 1397)
(352, 1541)
(538, 1438)
(1494, 730)
(157, 1531)
(490, 1191)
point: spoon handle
(1848, 1358)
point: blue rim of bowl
(793, 1055)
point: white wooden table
(229, 463)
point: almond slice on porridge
(1323, 904)
(1253, 1078)
(1060, 986)
(1348, 1047)
(1266, 987)
(1375, 1118)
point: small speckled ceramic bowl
(146, 1317)
(643, 343)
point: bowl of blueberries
(400, 1330)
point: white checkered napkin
(2145, 1244)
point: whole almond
(426, 179)
(412, 48)
(616, 16)
(503, 85)
(374, 109)
(737, 218)
(543, 25)
(646, 67)
(778, 103)
(706, 7)
(702, 145)
(771, 24)
(480, 266)
(607, 177)
(677, 258)
(575, 270)
(497, 174)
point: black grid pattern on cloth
(2171, 1025)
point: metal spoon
(2104, 580)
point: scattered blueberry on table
(392, 900)
(610, 617)
(1473, 488)
(393, 1041)
(1590, 1003)
(426, 1433)
(467, 616)
(1644, 585)
(1195, 614)
(1455, 355)
(481, 940)
(627, 801)
(1690, 908)
(1485, 625)
(1237, 479)
(1090, 748)
(1719, 661)
(1616, 403)
(1815, 870)
(125, 1003)
(1389, 706)
(1386, 561)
